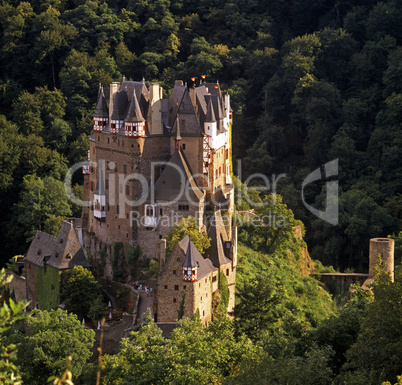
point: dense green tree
(51, 337)
(187, 226)
(79, 290)
(40, 198)
(376, 356)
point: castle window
(214, 278)
(126, 235)
(203, 312)
(108, 207)
(118, 211)
(150, 211)
(205, 280)
(106, 183)
(184, 287)
(108, 141)
(174, 300)
(176, 287)
(125, 169)
(183, 207)
(160, 212)
(166, 286)
(127, 215)
(174, 272)
(127, 189)
(119, 227)
(98, 138)
(227, 272)
(184, 146)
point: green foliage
(133, 255)
(376, 355)
(10, 313)
(51, 337)
(186, 226)
(79, 290)
(180, 311)
(40, 198)
(52, 225)
(223, 288)
(115, 261)
(97, 309)
(193, 355)
(272, 294)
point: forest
(310, 81)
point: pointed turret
(134, 123)
(190, 265)
(210, 112)
(101, 115)
(134, 114)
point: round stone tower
(384, 248)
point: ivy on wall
(47, 287)
(118, 274)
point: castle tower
(190, 266)
(384, 248)
(134, 123)
(101, 115)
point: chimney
(162, 257)
(155, 110)
(113, 90)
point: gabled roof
(68, 251)
(175, 178)
(101, 110)
(218, 252)
(62, 252)
(205, 266)
(134, 112)
(42, 245)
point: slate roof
(134, 112)
(42, 244)
(218, 252)
(120, 106)
(190, 260)
(205, 266)
(174, 179)
(210, 112)
(101, 110)
(62, 252)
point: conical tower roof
(101, 110)
(190, 261)
(210, 112)
(134, 112)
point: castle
(153, 161)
